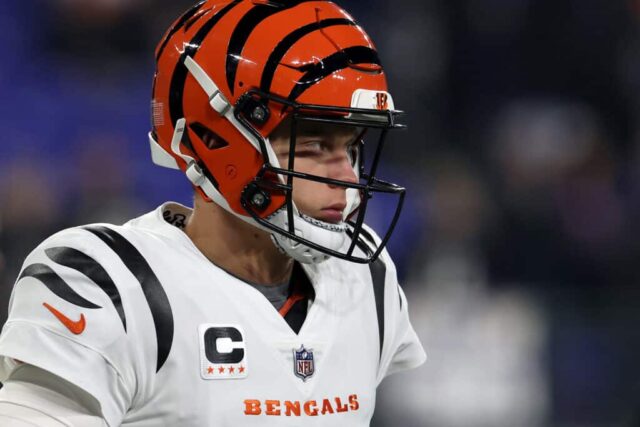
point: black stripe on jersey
(86, 265)
(296, 316)
(245, 27)
(332, 63)
(364, 233)
(299, 282)
(286, 43)
(180, 73)
(154, 293)
(56, 284)
(378, 272)
(178, 25)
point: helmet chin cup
(330, 236)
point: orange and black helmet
(229, 72)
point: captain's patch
(223, 354)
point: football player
(268, 303)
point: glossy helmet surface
(229, 72)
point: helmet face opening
(373, 126)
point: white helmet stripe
(220, 104)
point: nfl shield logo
(303, 365)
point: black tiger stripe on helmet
(286, 43)
(243, 30)
(342, 59)
(180, 72)
(180, 23)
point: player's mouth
(332, 214)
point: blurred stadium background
(519, 247)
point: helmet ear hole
(211, 140)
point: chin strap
(193, 171)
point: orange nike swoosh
(76, 327)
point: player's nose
(343, 170)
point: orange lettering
(307, 408)
(273, 407)
(340, 407)
(252, 407)
(311, 408)
(291, 408)
(326, 407)
(353, 402)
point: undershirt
(276, 294)
(290, 299)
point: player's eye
(353, 150)
(310, 147)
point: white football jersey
(141, 320)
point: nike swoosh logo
(76, 327)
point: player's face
(324, 150)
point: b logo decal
(381, 101)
